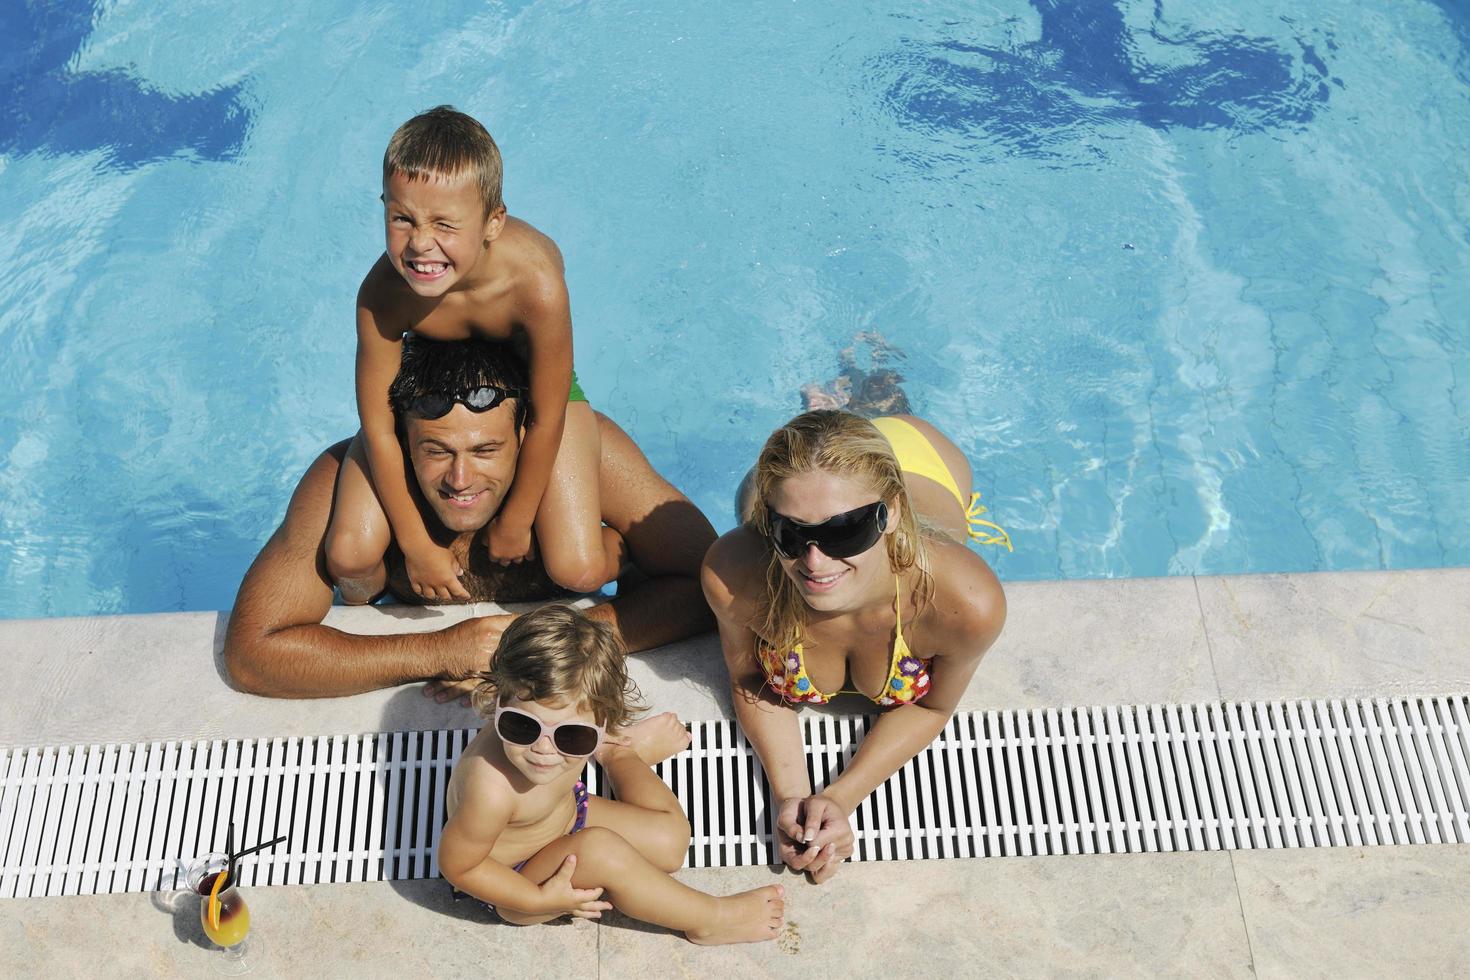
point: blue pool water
(1189, 282)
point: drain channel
(1118, 779)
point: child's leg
(359, 534)
(635, 887)
(579, 553)
(646, 813)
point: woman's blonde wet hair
(845, 445)
(556, 653)
(444, 142)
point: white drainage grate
(117, 818)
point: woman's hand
(813, 835)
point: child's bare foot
(657, 738)
(749, 917)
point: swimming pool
(1190, 283)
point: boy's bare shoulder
(382, 289)
(535, 264)
(531, 245)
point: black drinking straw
(229, 856)
(259, 847)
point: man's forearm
(656, 611)
(316, 661)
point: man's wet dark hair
(454, 367)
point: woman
(850, 575)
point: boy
(456, 266)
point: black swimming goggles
(436, 404)
(839, 536)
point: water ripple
(49, 107)
(1051, 97)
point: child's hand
(560, 896)
(434, 574)
(508, 543)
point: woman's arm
(773, 729)
(963, 622)
(771, 726)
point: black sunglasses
(436, 404)
(574, 738)
(839, 536)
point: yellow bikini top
(908, 676)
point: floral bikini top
(908, 676)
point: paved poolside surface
(1341, 912)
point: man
(462, 463)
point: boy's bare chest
(462, 319)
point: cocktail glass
(230, 932)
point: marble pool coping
(1186, 639)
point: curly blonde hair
(847, 445)
(556, 653)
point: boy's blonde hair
(847, 445)
(444, 142)
(556, 653)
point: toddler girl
(523, 834)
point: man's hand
(509, 544)
(444, 690)
(433, 573)
(813, 835)
(479, 638)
